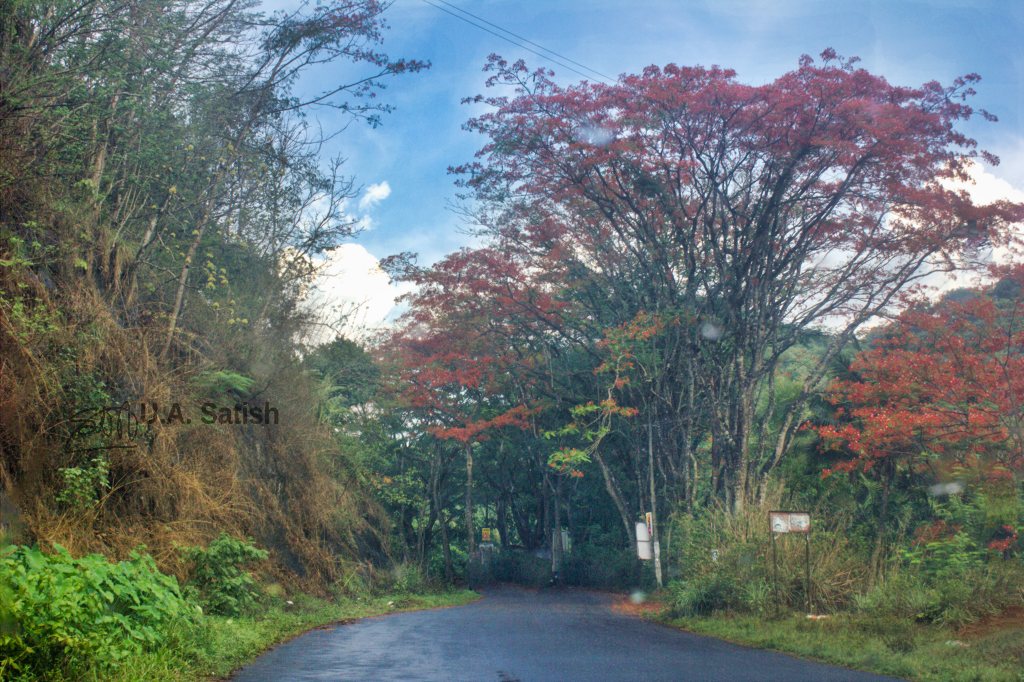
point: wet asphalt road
(515, 634)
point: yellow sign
(485, 535)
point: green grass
(218, 645)
(901, 649)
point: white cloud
(984, 188)
(364, 223)
(1011, 154)
(987, 188)
(352, 295)
(374, 194)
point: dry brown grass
(743, 542)
(189, 482)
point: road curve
(523, 635)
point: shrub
(83, 485)
(354, 580)
(950, 598)
(897, 634)
(67, 616)
(407, 578)
(223, 381)
(946, 557)
(756, 597)
(703, 595)
(218, 574)
(435, 563)
(717, 548)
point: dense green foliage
(218, 572)
(66, 617)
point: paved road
(522, 635)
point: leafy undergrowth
(68, 618)
(887, 646)
(217, 645)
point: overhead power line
(527, 40)
(558, 58)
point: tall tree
(261, 96)
(459, 367)
(759, 211)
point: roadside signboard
(790, 522)
(784, 523)
(643, 542)
(485, 535)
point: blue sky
(907, 42)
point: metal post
(775, 570)
(807, 568)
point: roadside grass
(218, 645)
(885, 646)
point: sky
(402, 165)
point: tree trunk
(654, 505)
(545, 503)
(888, 473)
(738, 455)
(425, 538)
(179, 296)
(426, 530)
(207, 214)
(556, 537)
(502, 519)
(613, 491)
(99, 165)
(446, 546)
(470, 533)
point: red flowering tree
(463, 369)
(941, 390)
(761, 211)
(945, 381)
